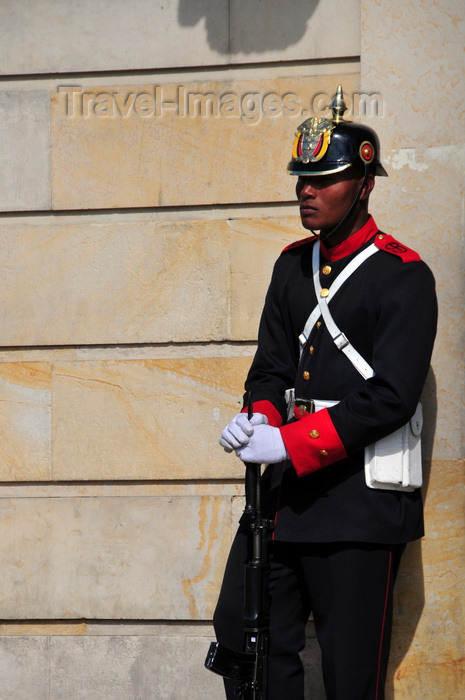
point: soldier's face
(324, 200)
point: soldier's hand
(265, 446)
(239, 430)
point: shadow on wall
(409, 594)
(263, 26)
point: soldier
(344, 348)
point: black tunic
(388, 311)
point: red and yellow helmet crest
(312, 140)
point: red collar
(351, 244)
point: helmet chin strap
(326, 236)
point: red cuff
(312, 442)
(268, 410)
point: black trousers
(347, 586)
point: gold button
(306, 375)
(380, 235)
(314, 434)
(311, 349)
(302, 410)
(323, 453)
(324, 292)
(318, 324)
(326, 270)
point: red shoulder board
(296, 244)
(384, 241)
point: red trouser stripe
(383, 624)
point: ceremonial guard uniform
(337, 541)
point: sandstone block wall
(143, 201)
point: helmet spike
(338, 105)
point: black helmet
(324, 146)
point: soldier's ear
(367, 187)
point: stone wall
(144, 200)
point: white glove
(239, 430)
(265, 446)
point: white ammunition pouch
(394, 462)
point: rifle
(249, 666)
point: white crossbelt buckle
(341, 341)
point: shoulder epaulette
(385, 242)
(296, 244)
